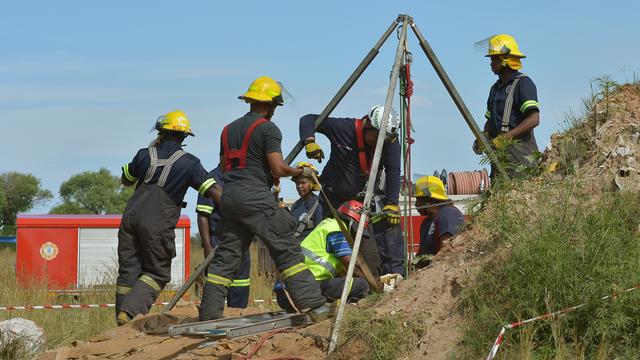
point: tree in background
(93, 192)
(18, 193)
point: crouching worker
(443, 219)
(163, 173)
(327, 254)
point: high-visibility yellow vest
(323, 265)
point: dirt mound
(604, 146)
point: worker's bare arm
(214, 192)
(279, 167)
(205, 237)
(531, 120)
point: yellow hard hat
(430, 186)
(503, 44)
(174, 121)
(264, 89)
(314, 185)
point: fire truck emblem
(49, 250)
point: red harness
(365, 164)
(239, 155)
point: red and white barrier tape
(500, 338)
(82, 306)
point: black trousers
(145, 249)
(249, 209)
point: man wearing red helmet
(327, 254)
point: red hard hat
(352, 209)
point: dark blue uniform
(342, 179)
(238, 295)
(448, 221)
(525, 100)
(301, 208)
(147, 230)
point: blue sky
(83, 82)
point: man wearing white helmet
(344, 177)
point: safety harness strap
(508, 105)
(239, 155)
(167, 167)
(365, 165)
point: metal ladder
(242, 325)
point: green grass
(386, 336)
(566, 248)
(67, 325)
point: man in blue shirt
(512, 108)
(443, 220)
(163, 172)
(344, 177)
(208, 221)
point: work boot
(321, 313)
(122, 318)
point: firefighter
(344, 177)
(443, 220)
(300, 209)
(251, 156)
(208, 220)
(512, 108)
(327, 254)
(163, 172)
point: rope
(406, 91)
(261, 342)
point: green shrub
(566, 248)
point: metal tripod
(403, 21)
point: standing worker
(251, 156)
(443, 220)
(345, 176)
(208, 221)
(300, 209)
(327, 254)
(163, 173)
(512, 107)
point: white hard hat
(393, 123)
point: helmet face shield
(285, 96)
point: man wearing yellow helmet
(163, 172)
(305, 185)
(443, 220)
(512, 108)
(251, 155)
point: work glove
(391, 214)
(477, 147)
(499, 142)
(314, 151)
(390, 281)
